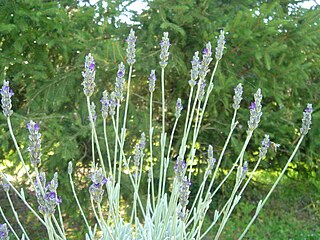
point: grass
(293, 211)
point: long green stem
(95, 136)
(168, 157)
(23, 199)
(19, 152)
(151, 151)
(80, 208)
(9, 225)
(107, 145)
(163, 135)
(130, 175)
(16, 215)
(261, 204)
(116, 143)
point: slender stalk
(93, 165)
(193, 150)
(261, 204)
(19, 152)
(16, 215)
(58, 227)
(168, 156)
(188, 111)
(95, 136)
(95, 214)
(23, 199)
(151, 151)
(49, 229)
(107, 145)
(116, 143)
(9, 225)
(61, 220)
(80, 208)
(163, 136)
(103, 221)
(130, 175)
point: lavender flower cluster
(195, 69)
(131, 50)
(98, 181)
(306, 120)
(89, 74)
(180, 168)
(184, 193)
(4, 232)
(152, 81)
(119, 84)
(34, 148)
(220, 45)
(211, 161)
(139, 150)
(164, 55)
(265, 144)
(237, 97)
(105, 104)
(5, 185)
(255, 111)
(6, 94)
(179, 108)
(47, 194)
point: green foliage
(273, 46)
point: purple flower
(5, 185)
(306, 120)
(92, 66)
(179, 108)
(99, 180)
(237, 97)
(152, 81)
(139, 150)
(131, 49)
(184, 193)
(89, 76)
(252, 106)
(164, 55)
(49, 199)
(265, 144)
(119, 84)
(255, 111)
(180, 168)
(244, 169)
(220, 45)
(211, 161)
(4, 232)
(105, 104)
(34, 148)
(6, 94)
(195, 69)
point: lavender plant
(160, 215)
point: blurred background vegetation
(272, 45)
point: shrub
(160, 214)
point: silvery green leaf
(216, 215)
(22, 194)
